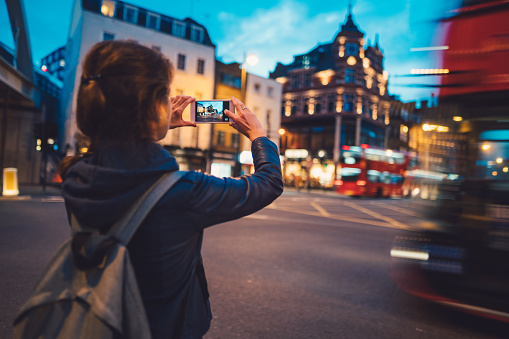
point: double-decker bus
(372, 172)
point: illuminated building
(229, 151)
(336, 94)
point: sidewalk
(27, 192)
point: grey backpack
(92, 293)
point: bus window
(350, 174)
(374, 176)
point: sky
(277, 30)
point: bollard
(10, 180)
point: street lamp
(250, 60)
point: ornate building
(334, 95)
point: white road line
(394, 208)
(339, 217)
(320, 209)
(391, 221)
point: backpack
(92, 293)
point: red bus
(372, 172)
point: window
(201, 66)
(108, 8)
(131, 14)
(349, 76)
(108, 36)
(179, 29)
(220, 138)
(235, 140)
(197, 34)
(351, 48)
(153, 21)
(331, 103)
(181, 63)
(348, 104)
(230, 80)
(307, 80)
(257, 88)
(270, 91)
(295, 79)
(318, 108)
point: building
(185, 42)
(263, 97)
(334, 95)
(402, 119)
(54, 63)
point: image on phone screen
(211, 111)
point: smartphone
(211, 111)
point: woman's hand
(245, 121)
(178, 105)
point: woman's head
(124, 86)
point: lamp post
(251, 60)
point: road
(311, 265)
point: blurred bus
(372, 172)
(457, 253)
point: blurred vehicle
(372, 172)
(457, 253)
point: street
(311, 265)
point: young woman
(124, 108)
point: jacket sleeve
(215, 200)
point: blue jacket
(166, 249)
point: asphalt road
(308, 266)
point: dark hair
(122, 83)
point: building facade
(185, 42)
(334, 95)
(54, 63)
(230, 151)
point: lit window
(131, 14)
(153, 21)
(181, 62)
(108, 8)
(179, 29)
(201, 66)
(108, 36)
(197, 34)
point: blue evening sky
(276, 30)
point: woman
(123, 107)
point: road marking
(394, 208)
(391, 221)
(339, 217)
(320, 209)
(53, 199)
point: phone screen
(211, 111)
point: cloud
(275, 34)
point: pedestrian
(124, 109)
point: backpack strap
(125, 228)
